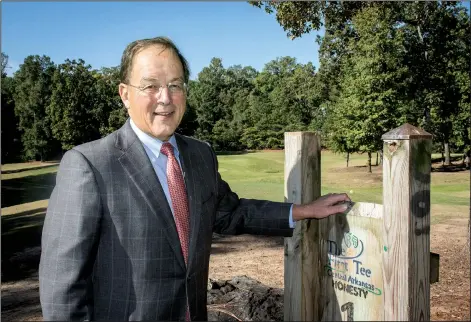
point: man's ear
(124, 94)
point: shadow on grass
(453, 158)
(27, 189)
(29, 169)
(233, 152)
(454, 167)
(21, 241)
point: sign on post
(353, 266)
(371, 263)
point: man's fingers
(338, 209)
(338, 197)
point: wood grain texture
(396, 229)
(372, 263)
(406, 228)
(419, 234)
(302, 185)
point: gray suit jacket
(110, 249)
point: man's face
(156, 110)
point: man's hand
(325, 206)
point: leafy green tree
(11, 136)
(371, 100)
(32, 95)
(438, 43)
(204, 97)
(73, 110)
(4, 64)
(285, 98)
(189, 123)
(219, 99)
(107, 108)
(435, 36)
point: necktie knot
(167, 149)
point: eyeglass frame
(143, 88)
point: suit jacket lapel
(189, 161)
(138, 166)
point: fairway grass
(30, 172)
(260, 175)
(26, 165)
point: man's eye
(151, 88)
(174, 86)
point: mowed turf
(261, 175)
(258, 175)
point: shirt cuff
(292, 224)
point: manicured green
(261, 175)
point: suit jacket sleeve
(69, 241)
(236, 215)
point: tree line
(381, 64)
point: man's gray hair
(136, 46)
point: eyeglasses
(174, 88)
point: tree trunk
(381, 157)
(443, 157)
(377, 155)
(447, 154)
(369, 162)
(348, 158)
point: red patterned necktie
(176, 186)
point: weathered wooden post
(372, 263)
(406, 228)
(302, 185)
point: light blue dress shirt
(152, 147)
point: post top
(405, 132)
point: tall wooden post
(406, 224)
(302, 185)
(373, 262)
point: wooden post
(373, 262)
(406, 224)
(302, 185)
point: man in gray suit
(128, 230)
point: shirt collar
(153, 143)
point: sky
(98, 32)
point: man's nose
(164, 96)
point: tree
(219, 99)
(204, 97)
(107, 108)
(298, 18)
(4, 64)
(73, 111)
(11, 136)
(189, 123)
(373, 82)
(435, 36)
(32, 94)
(285, 98)
(438, 47)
